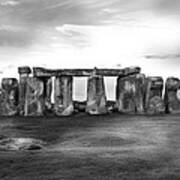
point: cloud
(75, 35)
(10, 36)
(11, 28)
(8, 3)
(38, 16)
(167, 6)
(167, 56)
(89, 12)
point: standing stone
(96, 97)
(140, 93)
(34, 98)
(154, 102)
(23, 76)
(48, 92)
(172, 95)
(9, 97)
(130, 94)
(63, 96)
(1, 102)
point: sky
(89, 33)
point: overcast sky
(88, 33)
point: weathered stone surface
(34, 98)
(63, 96)
(140, 93)
(96, 97)
(9, 97)
(130, 94)
(23, 75)
(20, 144)
(172, 95)
(154, 102)
(131, 71)
(1, 102)
(42, 72)
(48, 92)
(24, 70)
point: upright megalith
(140, 93)
(34, 97)
(63, 105)
(96, 97)
(130, 94)
(47, 93)
(9, 97)
(153, 101)
(23, 76)
(172, 95)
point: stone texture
(20, 144)
(48, 92)
(154, 102)
(130, 94)
(140, 93)
(24, 70)
(23, 75)
(1, 102)
(63, 96)
(9, 97)
(34, 98)
(42, 72)
(172, 95)
(96, 97)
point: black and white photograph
(89, 90)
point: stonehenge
(47, 94)
(96, 97)
(63, 96)
(130, 94)
(42, 72)
(154, 102)
(9, 97)
(36, 94)
(23, 76)
(172, 95)
(34, 97)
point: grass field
(94, 147)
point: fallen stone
(9, 97)
(63, 96)
(154, 102)
(130, 94)
(96, 97)
(20, 144)
(172, 95)
(34, 98)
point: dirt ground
(112, 147)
